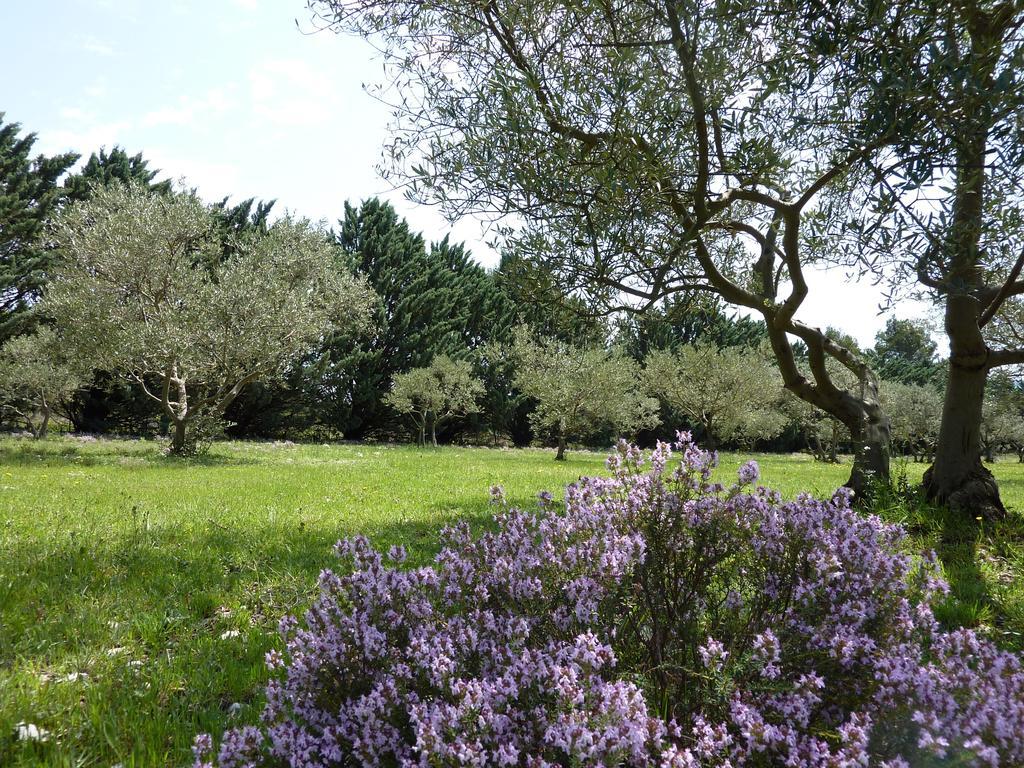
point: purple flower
(713, 654)
(749, 473)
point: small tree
(732, 394)
(460, 391)
(915, 412)
(444, 390)
(36, 378)
(415, 393)
(1002, 426)
(821, 432)
(145, 288)
(580, 390)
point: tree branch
(1010, 287)
(1001, 357)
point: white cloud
(248, 5)
(85, 139)
(92, 45)
(76, 114)
(214, 179)
(850, 304)
(189, 110)
(179, 115)
(292, 93)
(97, 89)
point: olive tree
(579, 390)
(821, 433)
(37, 377)
(144, 287)
(1002, 420)
(916, 414)
(937, 213)
(642, 149)
(436, 393)
(1002, 428)
(732, 394)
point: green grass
(125, 575)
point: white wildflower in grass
(31, 732)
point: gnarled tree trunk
(957, 477)
(40, 432)
(871, 449)
(860, 411)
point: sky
(243, 98)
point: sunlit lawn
(138, 593)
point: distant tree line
(445, 350)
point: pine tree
(236, 220)
(905, 352)
(117, 165)
(356, 374)
(433, 301)
(28, 195)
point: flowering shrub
(772, 633)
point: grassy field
(139, 593)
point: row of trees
(728, 396)
(163, 312)
(196, 307)
(292, 329)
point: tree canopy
(579, 390)
(916, 412)
(558, 117)
(29, 196)
(731, 394)
(143, 289)
(904, 351)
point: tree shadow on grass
(166, 598)
(105, 453)
(57, 582)
(976, 598)
(54, 583)
(969, 603)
